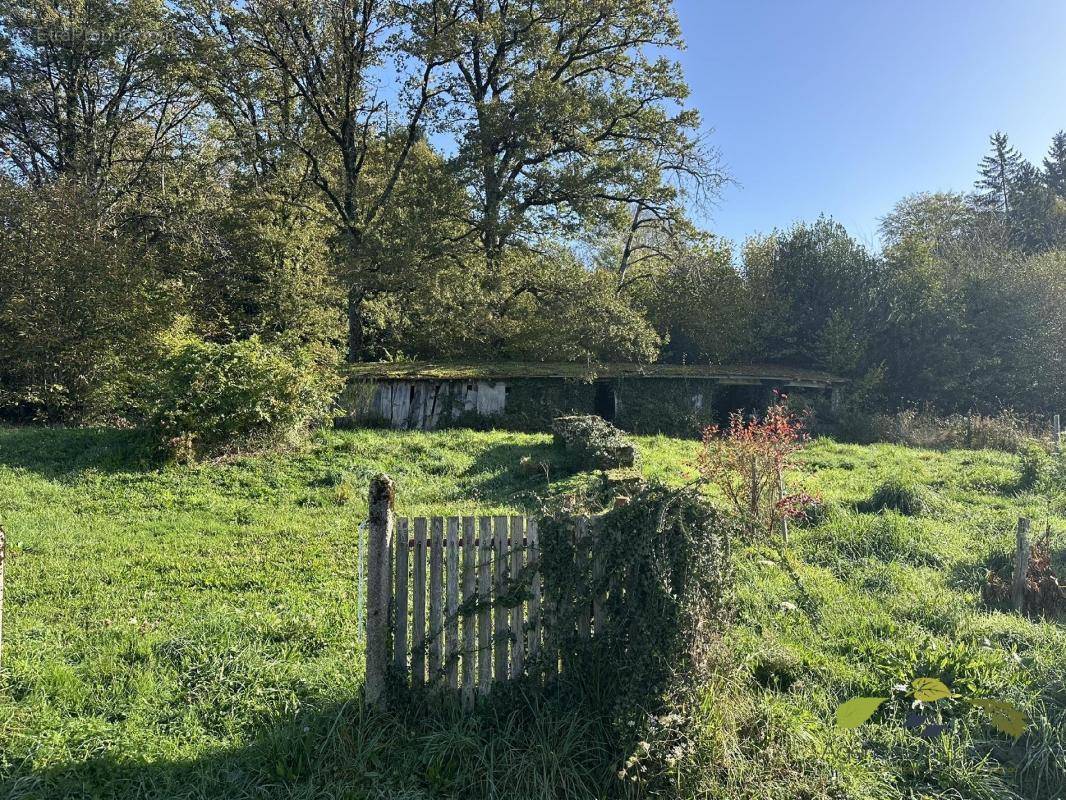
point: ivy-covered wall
(532, 403)
(673, 406)
(643, 405)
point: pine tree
(1055, 165)
(1000, 171)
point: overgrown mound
(657, 568)
(899, 494)
(594, 443)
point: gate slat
(581, 553)
(500, 633)
(436, 567)
(599, 597)
(484, 618)
(418, 632)
(518, 621)
(451, 609)
(532, 536)
(399, 639)
(469, 588)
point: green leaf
(856, 711)
(929, 690)
(1005, 717)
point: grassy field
(190, 631)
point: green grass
(190, 631)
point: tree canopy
(482, 179)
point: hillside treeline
(372, 179)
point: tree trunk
(355, 326)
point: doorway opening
(606, 402)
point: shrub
(899, 494)
(208, 397)
(1034, 466)
(746, 463)
(1045, 592)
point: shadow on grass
(520, 474)
(532, 748)
(56, 452)
(324, 753)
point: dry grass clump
(1007, 430)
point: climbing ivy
(659, 562)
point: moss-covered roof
(510, 370)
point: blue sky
(845, 107)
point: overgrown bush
(899, 494)
(662, 573)
(208, 397)
(594, 442)
(1034, 466)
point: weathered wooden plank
(491, 398)
(533, 539)
(400, 552)
(418, 606)
(451, 606)
(402, 393)
(500, 626)
(469, 589)
(599, 597)
(581, 554)
(436, 569)
(518, 618)
(484, 615)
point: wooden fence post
(1056, 434)
(1021, 564)
(436, 614)
(469, 599)
(781, 497)
(382, 498)
(518, 617)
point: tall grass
(1006, 430)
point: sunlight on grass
(202, 619)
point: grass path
(190, 631)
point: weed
(899, 494)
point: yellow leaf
(929, 690)
(856, 711)
(1004, 716)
